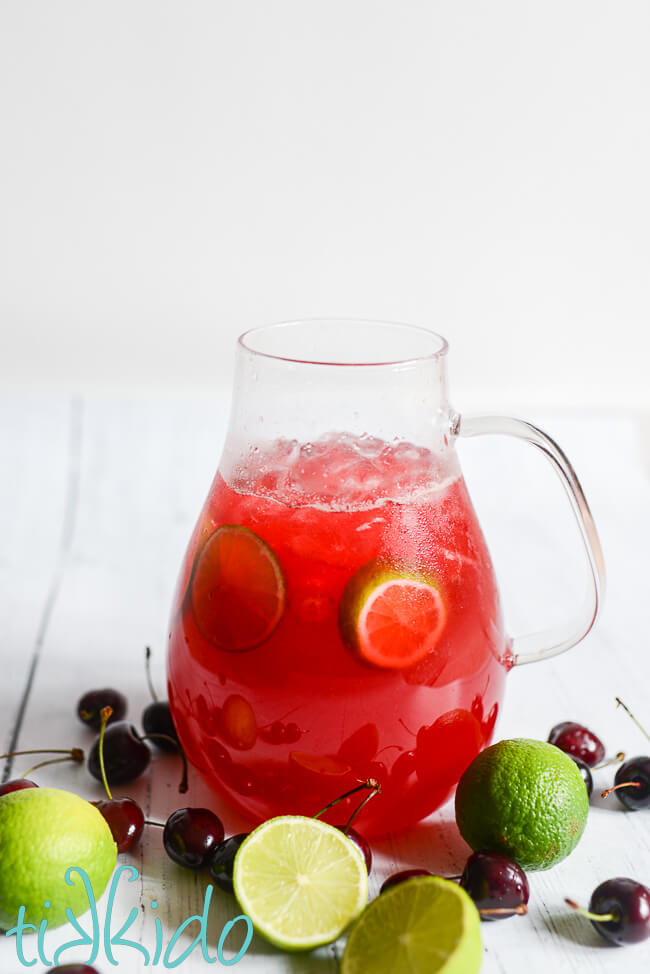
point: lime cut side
(301, 881)
(425, 925)
(237, 589)
(389, 618)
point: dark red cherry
(279, 733)
(401, 877)
(126, 755)
(494, 881)
(586, 774)
(578, 741)
(157, 719)
(190, 836)
(223, 859)
(403, 770)
(629, 904)
(125, 819)
(17, 784)
(361, 746)
(274, 733)
(619, 909)
(292, 733)
(91, 704)
(73, 969)
(360, 843)
(632, 783)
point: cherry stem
(619, 703)
(623, 784)
(370, 783)
(74, 753)
(69, 757)
(520, 910)
(615, 760)
(159, 825)
(105, 714)
(389, 747)
(147, 666)
(407, 729)
(597, 917)
(182, 788)
(375, 789)
(283, 717)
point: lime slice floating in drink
(425, 925)
(391, 619)
(238, 590)
(311, 769)
(301, 881)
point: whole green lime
(524, 798)
(43, 833)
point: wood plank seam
(65, 546)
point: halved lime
(390, 618)
(425, 925)
(301, 881)
(237, 589)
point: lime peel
(524, 798)
(44, 832)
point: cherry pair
(496, 883)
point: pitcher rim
(438, 353)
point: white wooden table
(97, 499)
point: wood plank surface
(39, 460)
(98, 500)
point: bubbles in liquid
(340, 471)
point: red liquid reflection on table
(337, 618)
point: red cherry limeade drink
(337, 618)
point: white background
(172, 173)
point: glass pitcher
(337, 616)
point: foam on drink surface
(343, 472)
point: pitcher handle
(551, 642)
